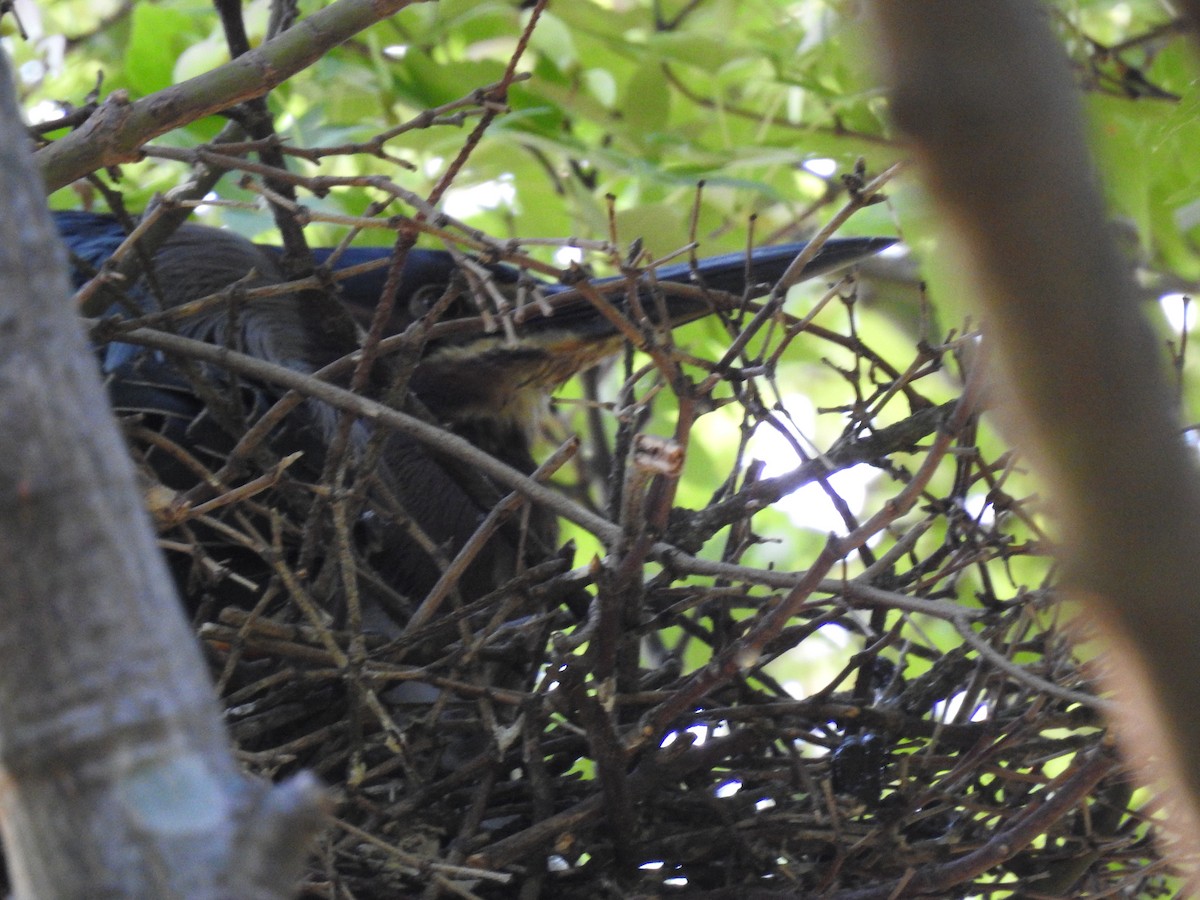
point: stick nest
(891, 711)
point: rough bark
(119, 780)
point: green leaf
(160, 36)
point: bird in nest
(487, 384)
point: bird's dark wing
(737, 273)
(90, 237)
(730, 273)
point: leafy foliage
(909, 706)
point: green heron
(489, 385)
